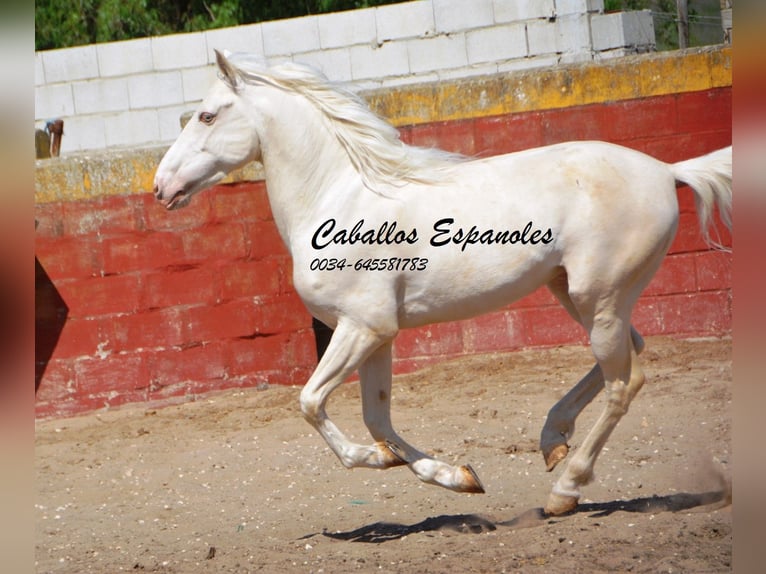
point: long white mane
(372, 144)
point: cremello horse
(386, 236)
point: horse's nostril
(156, 191)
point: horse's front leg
(349, 347)
(375, 375)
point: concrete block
(83, 133)
(335, 64)
(522, 64)
(564, 7)
(622, 29)
(575, 57)
(497, 43)
(638, 29)
(133, 128)
(361, 86)
(237, 39)
(438, 53)
(54, 101)
(39, 70)
(516, 10)
(408, 80)
(97, 96)
(286, 37)
(169, 121)
(573, 33)
(468, 72)
(343, 29)
(124, 58)
(278, 60)
(454, 15)
(196, 82)
(542, 37)
(611, 54)
(70, 64)
(155, 90)
(368, 62)
(607, 31)
(406, 20)
(179, 51)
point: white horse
(386, 236)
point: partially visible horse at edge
(386, 236)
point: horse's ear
(228, 73)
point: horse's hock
(151, 306)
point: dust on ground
(238, 482)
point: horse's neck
(305, 165)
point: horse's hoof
(391, 454)
(559, 504)
(555, 455)
(471, 483)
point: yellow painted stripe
(92, 175)
(80, 177)
(559, 87)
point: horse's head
(219, 138)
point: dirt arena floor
(238, 482)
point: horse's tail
(710, 178)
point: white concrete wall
(132, 93)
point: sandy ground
(238, 482)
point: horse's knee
(309, 406)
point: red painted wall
(165, 306)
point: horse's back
(617, 208)
(586, 191)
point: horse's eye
(206, 117)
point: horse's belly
(466, 290)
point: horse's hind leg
(560, 423)
(610, 333)
(375, 377)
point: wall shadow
(50, 316)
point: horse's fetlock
(582, 473)
(347, 461)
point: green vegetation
(64, 23)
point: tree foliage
(64, 23)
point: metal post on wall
(56, 129)
(48, 141)
(42, 144)
(683, 23)
(726, 6)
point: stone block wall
(133, 93)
